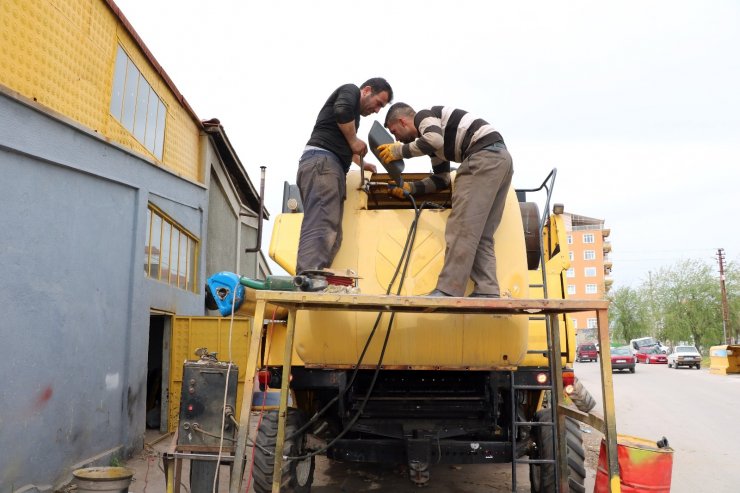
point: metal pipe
(260, 215)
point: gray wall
(222, 232)
(75, 300)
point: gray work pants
(481, 185)
(322, 183)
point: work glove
(400, 192)
(390, 152)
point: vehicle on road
(623, 359)
(684, 356)
(651, 355)
(641, 342)
(587, 352)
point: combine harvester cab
(422, 388)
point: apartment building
(589, 273)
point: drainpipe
(258, 246)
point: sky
(637, 104)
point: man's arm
(345, 110)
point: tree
(732, 285)
(688, 296)
(628, 314)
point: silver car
(684, 356)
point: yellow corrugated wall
(190, 333)
(61, 54)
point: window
(589, 271)
(571, 273)
(570, 256)
(570, 239)
(135, 104)
(574, 321)
(591, 289)
(591, 323)
(588, 238)
(589, 255)
(170, 252)
(571, 289)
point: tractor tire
(542, 476)
(581, 397)
(297, 475)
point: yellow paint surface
(61, 54)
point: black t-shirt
(343, 106)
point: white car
(684, 356)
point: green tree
(732, 285)
(628, 314)
(688, 296)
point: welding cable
(226, 387)
(404, 259)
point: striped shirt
(447, 134)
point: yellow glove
(390, 152)
(400, 192)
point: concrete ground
(336, 477)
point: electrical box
(202, 411)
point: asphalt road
(698, 412)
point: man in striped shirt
(481, 185)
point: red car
(587, 352)
(622, 359)
(651, 355)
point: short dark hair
(378, 85)
(398, 110)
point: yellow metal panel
(61, 54)
(724, 359)
(191, 333)
(372, 246)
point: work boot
(437, 293)
(483, 295)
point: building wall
(76, 301)
(74, 198)
(62, 54)
(579, 280)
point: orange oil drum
(643, 466)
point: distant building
(116, 203)
(588, 276)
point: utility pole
(725, 312)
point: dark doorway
(154, 373)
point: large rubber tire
(297, 475)
(542, 476)
(581, 397)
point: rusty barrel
(96, 479)
(643, 466)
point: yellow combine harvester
(418, 388)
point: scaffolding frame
(551, 308)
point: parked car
(651, 355)
(587, 352)
(622, 359)
(684, 356)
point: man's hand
(369, 167)
(358, 147)
(390, 152)
(400, 192)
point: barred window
(170, 251)
(589, 255)
(588, 238)
(136, 105)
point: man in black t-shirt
(323, 167)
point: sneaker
(437, 293)
(483, 295)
